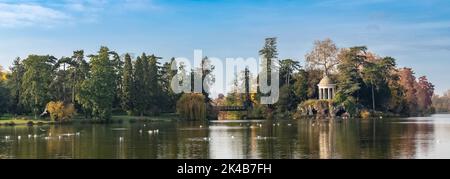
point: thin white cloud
(23, 14)
(50, 13)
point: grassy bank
(9, 120)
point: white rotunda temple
(327, 89)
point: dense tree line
(97, 87)
(104, 83)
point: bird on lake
(78, 133)
(29, 136)
(19, 137)
(120, 139)
(42, 130)
(7, 137)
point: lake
(418, 137)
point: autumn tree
(4, 93)
(323, 56)
(424, 93)
(408, 82)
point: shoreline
(120, 119)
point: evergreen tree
(139, 86)
(98, 90)
(15, 86)
(154, 86)
(127, 94)
(36, 81)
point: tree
(139, 85)
(117, 64)
(98, 90)
(191, 106)
(408, 82)
(127, 94)
(323, 56)
(37, 78)
(14, 84)
(153, 85)
(269, 53)
(301, 86)
(442, 103)
(287, 68)
(60, 111)
(2, 74)
(207, 78)
(424, 93)
(349, 78)
(169, 97)
(4, 93)
(60, 86)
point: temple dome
(326, 81)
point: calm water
(427, 137)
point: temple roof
(326, 81)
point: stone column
(320, 93)
(329, 93)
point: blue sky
(415, 32)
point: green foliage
(98, 90)
(301, 86)
(4, 98)
(14, 85)
(139, 86)
(169, 97)
(36, 80)
(192, 107)
(127, 95)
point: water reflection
(426, 137)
